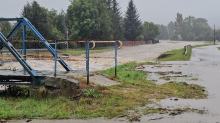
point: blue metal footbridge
(25, 24)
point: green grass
(176, 55)
(21, 108)
(81, 51)
(134, 91)
(127, 73)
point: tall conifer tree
(132, 23)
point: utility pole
(214, 35)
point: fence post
(185, 50)
(87, 60)
(116, 57)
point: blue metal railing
(25, 23)
(19, 58)
(45, 42)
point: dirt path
(100, 61)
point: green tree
(187, 29)
(81, 19)
(171, 30)
(202, 30)
(89, 20)
(117, 23)
(5, 27)
(196, 29)
(178, 26)
(39, 18)
(61, 24)
(190, 29)
(58, 24)
(103, 20)
(150, 31)
(132, 23)
(50, 24)
(109, 4)
(163, 32)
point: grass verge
(134, 91)
(178, 54)
(175, 55)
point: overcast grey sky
(158, 11)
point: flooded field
(104, 60)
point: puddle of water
(184, 118)
(170, 71)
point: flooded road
(205, 66)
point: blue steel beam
(24, 48)
(10, 19)
(1, 45)
(26, 22)
(19, 58)
(16, 27)
(24, 37)
(87, 60)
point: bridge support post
(24, 47)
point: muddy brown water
(205, 64)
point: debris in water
(134, 116)
(158, 118)
(28, 120)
